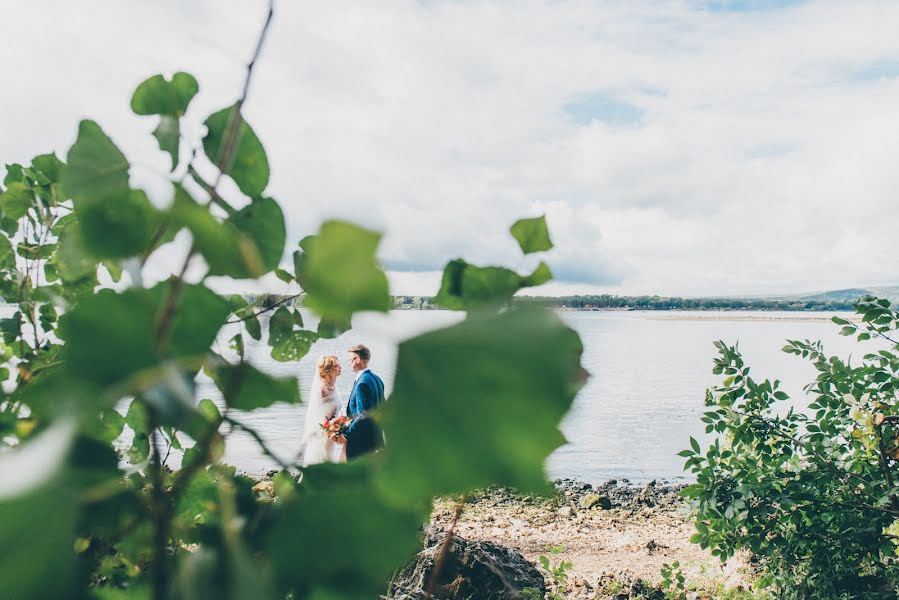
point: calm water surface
(644, 399)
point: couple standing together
(362, 434)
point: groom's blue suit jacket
(367, 394)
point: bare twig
(265, 310)
(161, 509)
(209, 189)
(229, 145)
(444, 548)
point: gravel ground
(614, 534)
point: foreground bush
(808, 487)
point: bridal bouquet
(336, 426)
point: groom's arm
(362, 400)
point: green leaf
(37, 523)
(695, 445)
(49, 165)
(532, 235)
(73, 260)
(228, 250)
(288, 344)
(541, 275)
(487, 381)
(16, 200)
(114, 270)
(340, 274)
(7, 257)
(156, 96)
(168, 134)
(14, 172)
(263, 222)
(465, 286)
(247, 164)
(97, 169)
(209, 410)
(116, 222)
(336, 503)
(246, 388)
(110, 336)
(199, 316)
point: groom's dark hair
(361, 351)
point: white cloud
(761, 160)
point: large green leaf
(37, 522)
(229, 249)
(110, 336)
(485, 397)
(16, 200)
(96, 168)
(199, 315)
(73, 261)
(532, 235)
(49, 165)
(339, 272)
(168, 134)
(116, 221)
(347, 540)
(119, 227)
(247, 164)
(263, 222)
(169, 100)
(288, 340)
(465, 286)
(7, 257)
(246, 388)
(157, 96)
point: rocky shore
(615, 535)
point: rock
(566, 512)
(591, 500)
(469, 570)
(265, 487)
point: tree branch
(228, 147)
(265, 310)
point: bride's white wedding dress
(323, 403)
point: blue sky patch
(605, 108)
(875, 71)
(726, 6)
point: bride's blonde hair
(326, 365)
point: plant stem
(265, 310)
(444, 548)
(162, 513)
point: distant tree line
(609, 301)
(603, 302)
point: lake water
(644, 398)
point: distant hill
(891, 293)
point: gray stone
(470, 570)
(595, 500)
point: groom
(363, 435)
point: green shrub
(809, 489)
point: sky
(676, 147)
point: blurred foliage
(98, 373)
(809, 488)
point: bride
(323, 403)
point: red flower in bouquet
(336, 426)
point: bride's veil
(315, 408)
